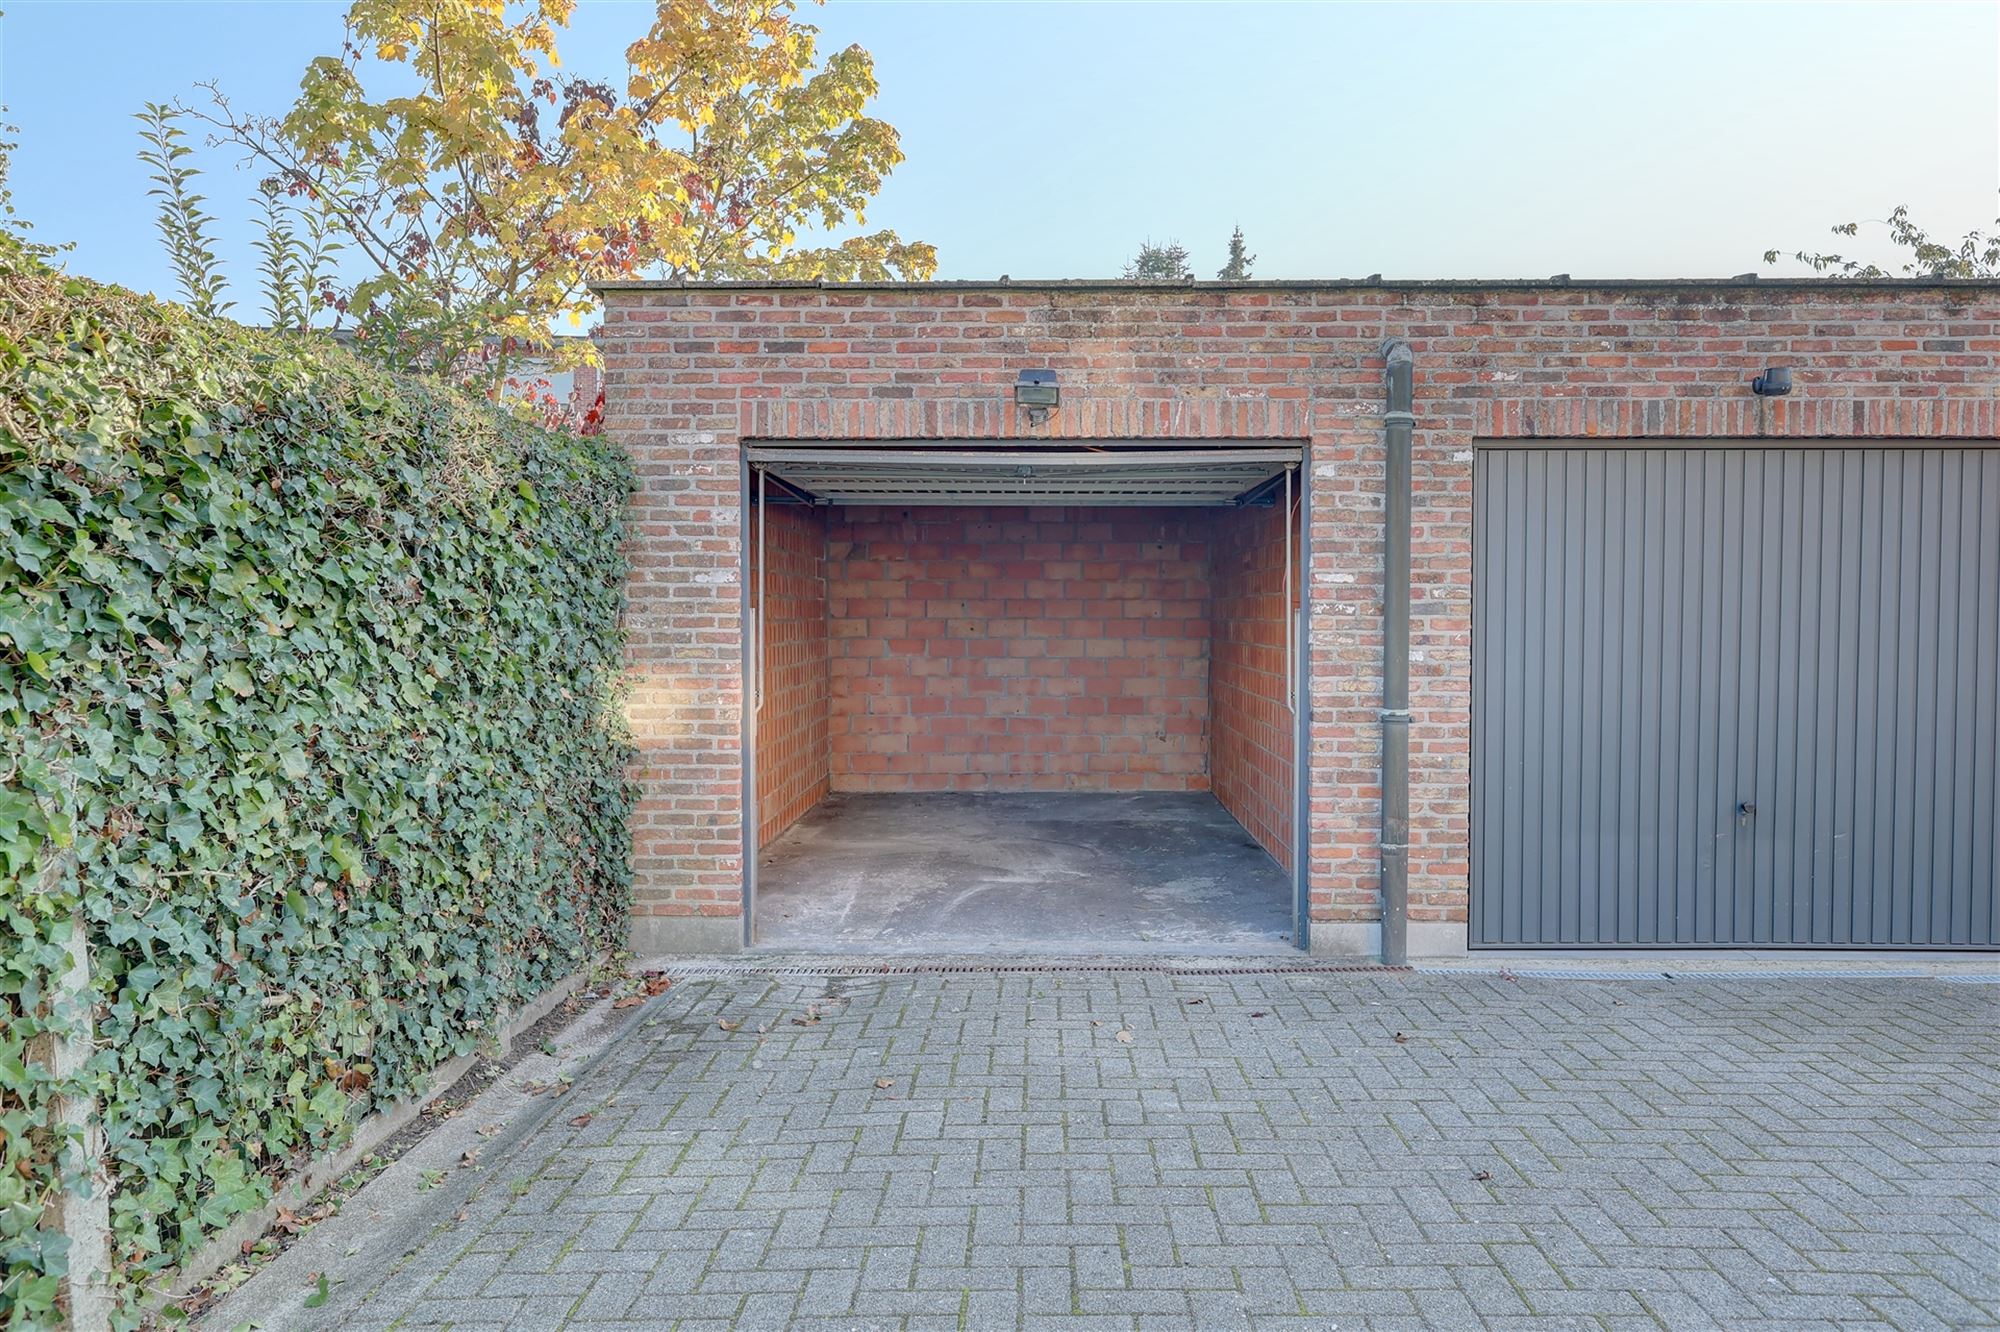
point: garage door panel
(1979, 672)
(1959, 622)
(1984, 738)
(1571, 668)
(1662, 636)
(1867, 916)
(1093, 477)
(1929, 745)
(1971, 664)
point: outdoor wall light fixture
(1775, 382)
(1035, 393)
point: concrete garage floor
(1045, 873)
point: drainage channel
(1271, 967)
(1025, 966)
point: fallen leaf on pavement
(726, 1024)
(628, 1001)
(581, 1121)
(885, 1083)
(657, 982)
(461, 1215)
(1402, 1038)
(469, 1160)
(1484, 1174)
(1192, 1002)
(1260, 1015)
(488, 1130)
(1123, 1037)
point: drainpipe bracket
(1393, 714)
(1399, 418)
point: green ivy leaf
(311, 722)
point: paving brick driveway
(1131, 1150)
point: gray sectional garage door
(1736, 697)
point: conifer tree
(1240, 259)
(1160, 263)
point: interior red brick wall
(692, 372)
(1251, 726)
(791, 723)
(1004, 649)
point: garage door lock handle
(1747, 810)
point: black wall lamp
(1775, 382)
(1036, 393)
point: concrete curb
(391, 1215)
(1626, 966)
(226, 1245)
(1771, 965)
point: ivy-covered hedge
(306, 679)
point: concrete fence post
(86, 1220)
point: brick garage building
(1688, 665)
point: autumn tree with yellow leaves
(478, 201)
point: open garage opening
(983, 721)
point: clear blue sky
(1048, 140)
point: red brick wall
(690, 373)
(791, 724)
(1007, 649)
(1250, 720)
(684, 639)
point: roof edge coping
(1559, 283)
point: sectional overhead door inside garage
(1736, 696)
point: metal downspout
(1398, 423)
